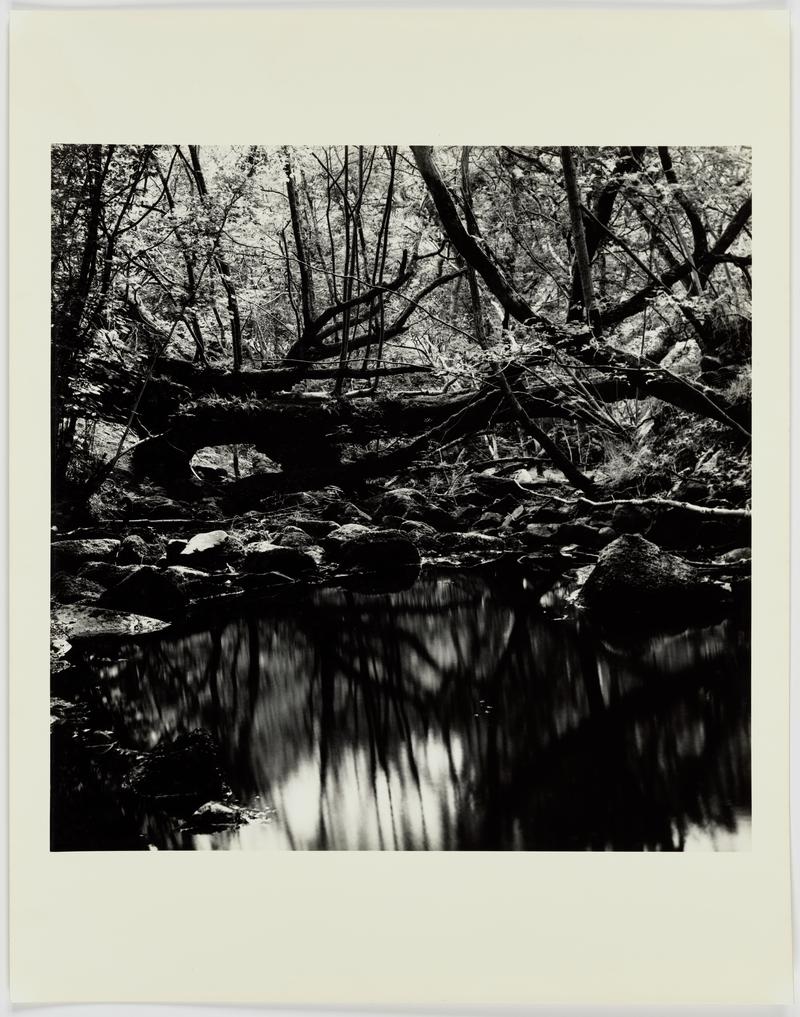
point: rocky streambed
(121, 585)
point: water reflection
(459, 714)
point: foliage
(213, 253)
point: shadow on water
(460, 713)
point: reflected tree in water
(455, 715)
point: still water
(465, 712)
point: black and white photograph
(400, 498)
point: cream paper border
(355, 928)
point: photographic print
(400, 498)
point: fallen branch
(703, 510)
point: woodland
(434, 352)
(427, 465)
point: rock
(185, 768)
(155, 507)
(70, 589)
(174, 549)
(148, 590)
(409, 503)
(341, 534)
(186, 575)
(105, 573)
(264, 556)
(738, 554)
(415, 527)
(739, 492)
(553, 513)
(202, 543)
(631, 519)
(471, 541)
(404, 502)
(468, 515)
(635, 580)
(693, 491)
(346, 512)
(71, 554)
(490, 521)
(81, 623)
(197, 585)
(293, 536)
(313, 527)
(133, 551)
(211, 551)
(357, 547)
(536, 534)
(216, 816)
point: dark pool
(466, 712)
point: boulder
(105, 573)
(409, 503)
(174, 549)
(537, 534)
(293, 536)
(264, 556)
(405, 502)
(70, 589)
(341, 534)
(133, 551)
(71, 554)
(148, 590)
(490, 521)
(197, 585)
(416, 528)
(345, 512)
(212, 550)
(313, 527)
(82, 623)
(738, 554)
(552, 513)
(155, 507)
(357, 547)
(634, 580)
(691, 490)
(187, 767)
(471, 541)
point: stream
(465, 712)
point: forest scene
(401, 497)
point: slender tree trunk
(472, 226)
(223, 268)
(590, 306)
(306, 292)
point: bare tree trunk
(472, 226)
(590, 305)
(306, 291)
(223, 267)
